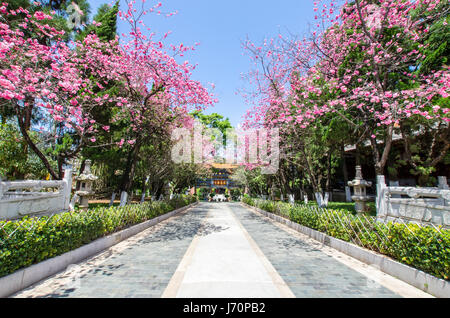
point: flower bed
(32, 240)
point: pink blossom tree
(66, 82)
(363, 68)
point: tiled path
(221, 250)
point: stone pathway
(225, 251)
(308, 271)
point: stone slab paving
(140, 267)
(220, 250)
(307, 269)
(225, 264)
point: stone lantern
(86, 181)
(359, 188)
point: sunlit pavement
(221, 250)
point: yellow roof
(223, 166)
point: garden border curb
(33, 274)
(417, 278)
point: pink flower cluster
(298, 80)
(68, 80)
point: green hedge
(32, 240)
(422, 247)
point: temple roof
(222, 166)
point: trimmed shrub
(423, 247)
(30, 240)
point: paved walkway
(226, 251)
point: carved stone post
(381, 196)
(67, 188)
(443, 185)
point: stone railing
(21, 198)
(417, 205)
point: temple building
(220, 179)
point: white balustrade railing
(417, 205)
(20, 198)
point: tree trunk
(128, 176)
(144, 188)
(328, 183)
(380, 161)
(27, 115)
(24, 131)
(344, 165)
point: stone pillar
(305, 198)
(381, 197)
(67, 188)
(443, 185)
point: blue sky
(221, 26)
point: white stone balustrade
(417, 205)
(21, 198)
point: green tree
(107, 17)
(15, 163)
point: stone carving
(86, 181)
(417, 205)
(360, 194)
(31, 197)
